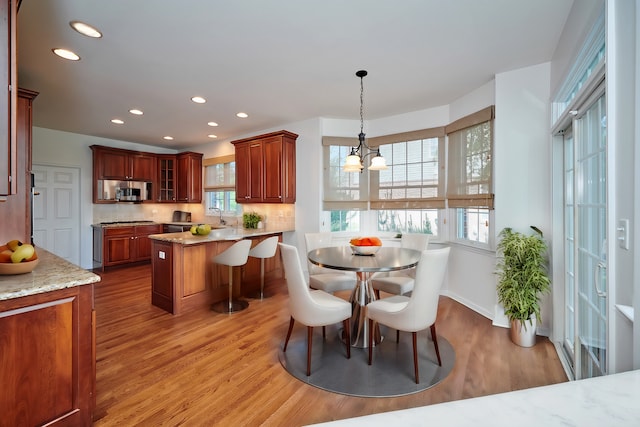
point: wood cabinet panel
(113, 165)
(143, 167)
(265, 168)
(189, 177)
(47, 341)
(8, 101)
(161, 275)
(16, 210)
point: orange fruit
(32, 258)
(375, 241)
(5, 255)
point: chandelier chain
(361, 104)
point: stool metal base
(259, 295)
(223, 306)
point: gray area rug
(390, 375)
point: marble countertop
(51, 273)
(611, 400)
(230, 233)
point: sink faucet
(222, 221)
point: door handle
(596, 279)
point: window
(404, 198)
(472, 224)
(219, 186)
(469, 179)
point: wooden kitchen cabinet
(8, 142)
(167, 175)
(16, 210)
(123, 244)
(189, 177)
(266, 168)
(123, 165)
(249, 164)
(48, 358)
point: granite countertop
(611, 400)
(124, 223)
(217, 234)
(51, 273)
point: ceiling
(280, 61)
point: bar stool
(234, 256)
(265, 249)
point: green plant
(251, 220)
(522, 274)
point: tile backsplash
(275, 215)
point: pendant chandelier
(355, 160)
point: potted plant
(251, 220)
(522, 279)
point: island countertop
(230, 233)
(52, 273)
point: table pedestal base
(361, 296)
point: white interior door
(56, 211)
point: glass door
(585, 203)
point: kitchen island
(47, 344)
(184, 276)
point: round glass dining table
(342, 258)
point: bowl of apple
(365, 245)
(17, 258)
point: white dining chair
(311, 308)
(322, 278)
(418, 312)
(400, 282)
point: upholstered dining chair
(311, 308)
(265, 249)
(323, 278)
(415, 313)
(400, 282)
(237, 254)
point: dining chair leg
(347, 329)
(435, 342)
(397, 335)
(309, 341)
(324, 333)
(286, 341)
(370, 340)
(415, 356)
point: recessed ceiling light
(198, 100)
(117, 121)
(212, 124)
(136, 112)
(212, 136)
(85, 29)
(66, 54)
(168, 138)
(242, 115)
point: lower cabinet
(47, 355)
(122, 245)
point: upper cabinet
(8, 103)
(189, 182)
(125, 175)
(123, 165)
(266, 168)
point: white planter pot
(524, 333)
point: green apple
(194, 229)
(204, 229)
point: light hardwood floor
(205, 368)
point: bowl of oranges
(365, 245)
(17, 258)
